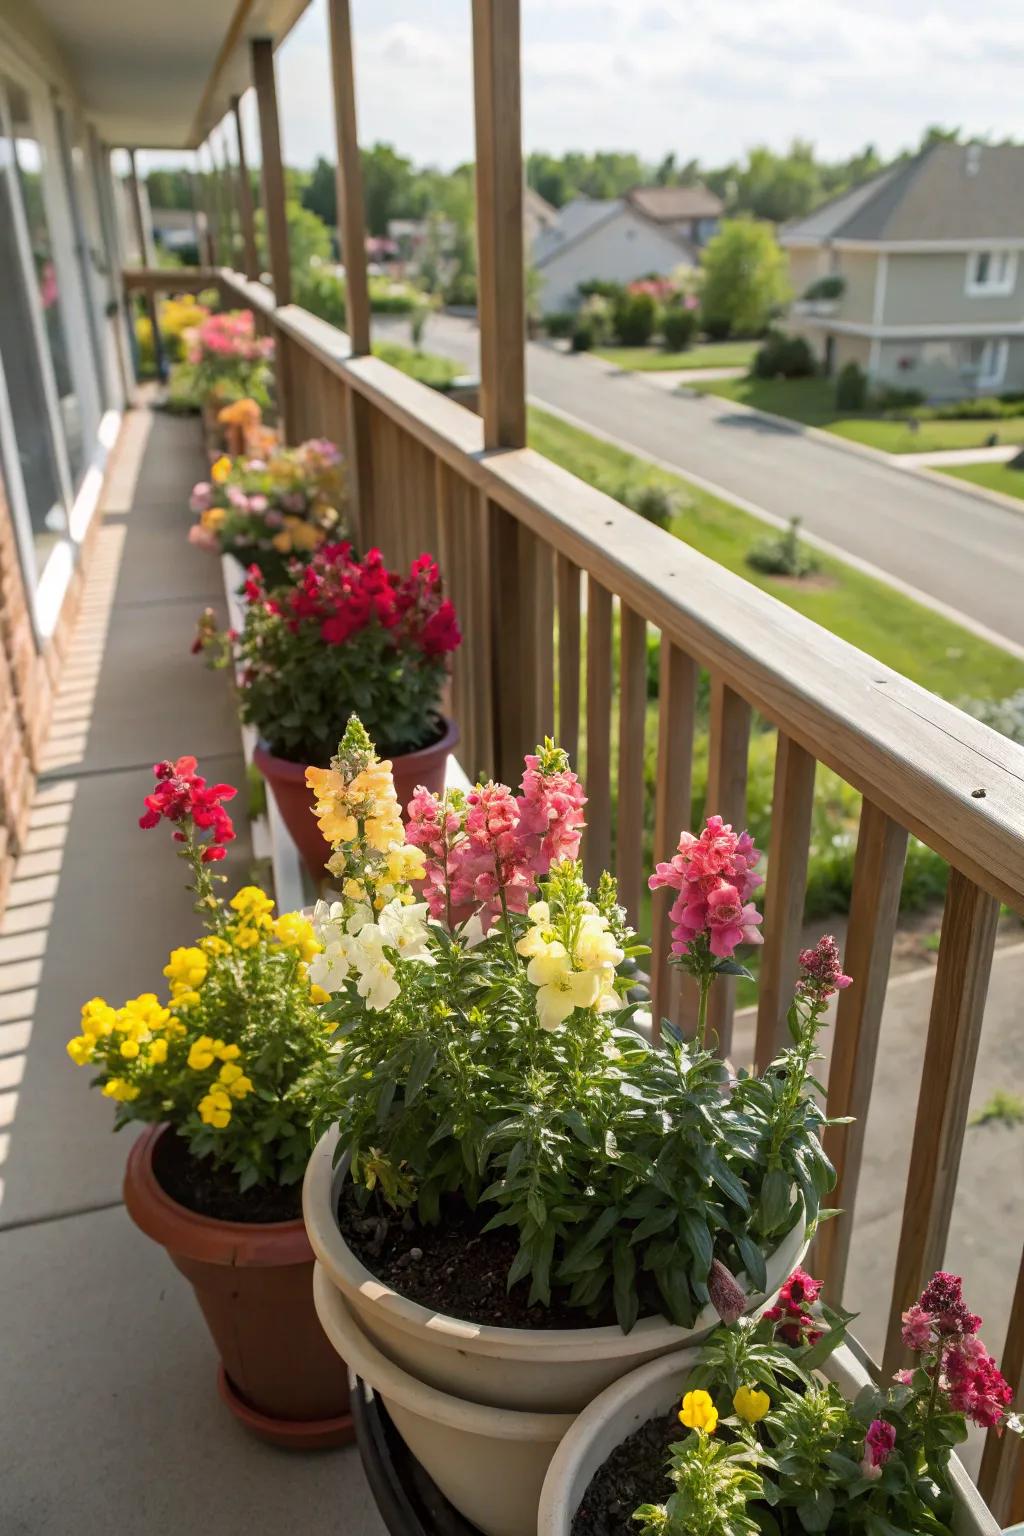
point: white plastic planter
(488, 1462)
(651, 1391)
(529, 1370)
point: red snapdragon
(182, 796)
(793, 1322)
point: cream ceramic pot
(651, 1391)
(531, 1370)
(488, 1462)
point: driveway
(957, 549)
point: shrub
(391, 298)
(744, 276)
(461, 291)
(832, 287)
(323, 294)
(603, 287)
(1004, 715)
(782, 356)
(890, 397)
(716, 327)
(678, 327)
(656, 503)
(782, 554)
(584, 336)
(984, 408)
(560, 323)
(425, 367)
(851, 387)
(635, 317)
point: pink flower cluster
(183, 796)
(942, 1326)
(230, 334)
(714, 875)
(822, 971)
(793, 1323)
(495, 845)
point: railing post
(145, 260)
(499, 222)
(252, 264)
(728, 749)
(349, 178)
(792, 808)
(262, 53)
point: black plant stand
(410, 1503)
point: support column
(273, 170)
(245, 209)
(499, 222)
(349, 174)
(146, 260)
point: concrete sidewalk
(109, 1415)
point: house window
(990, 273)
(983, 362)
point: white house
(651, 229)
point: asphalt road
(960, 550)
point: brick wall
(28, 682)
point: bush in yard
(461, 291)
(782, 554)
(323, 294)
(560, 323)
(744, 278)
(715, 327)
(783, 357)
(634, 319)
(890, 397)
(656, 503)
(831, 287)
(603, 288)
(584, 335)
(1004, 715)
(851, 387)
(678, 327)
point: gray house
(931, 281)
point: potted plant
(520, 1197)
(785, 1433)
(228, 361)
(223, 1073)
(266, 511)
(339, 634)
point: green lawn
(427, 367)
(923, 645)
(709, 354)
(994, 477)
(811, 401)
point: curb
(984, 492)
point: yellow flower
(187, 968)
(355, 890)
(560, 990)
(229, 1074)
(213, 518)
(751, 1404)
(129, 1049)
(98, 1018)
(304, 535)
(334, 819)
(699, 1412)
(220, 470)
(225, 1052)
(117, 1088)
(215, 1109)
(319, 994)
(200, 1054)
(157, 1052)
(404, 863)
(235, 1081)
(282, 543)
(80, 1049)
(251, 901)
(213, 945)
(245, 938)
(175, 1027)
(296, 932)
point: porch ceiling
(158, 75)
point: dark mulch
(451, 1268)
(196, 1184)
(634, 1474)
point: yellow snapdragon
(186, 969)
(296, 932)
(699, 1412)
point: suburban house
(926, 291)
(618, 239)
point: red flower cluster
(794, 1324)
(943, 1297)
(343, 595)
(974, 1383)
(942, 1327)
(184, 797)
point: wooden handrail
(170, 279)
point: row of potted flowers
(521, 1210)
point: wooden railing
(557, 587)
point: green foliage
(782, 554)
(584, 335)
(1006, 1109)
(984, 408)
(426, 367)
(657, 503)
(319, 194)
(744, 277)
(322, 292)
(559, 324)
(678, 327)
(635, 318)
(888, 397)
(309, 239)
(715, 1481)
(461, 291)
(851, 387)
(783, 357)
(1004, 715)
(832, 286)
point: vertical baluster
(727, 797)
(1001, 1479)
(629, 831)
(792, 804)
(677, 707)
(598, 841)
(478, 589)
(568, 655)
(537, 664)
(510, 646)
(874, 908)
(954, 1029)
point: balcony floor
(109, 1409)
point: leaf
(590, 1239)
(536, 1207)
(520, 1266)
(727, 1182)
(699, 1240)
(733, 968)
(385, 1100)
(816, 1512)
(422, 1066)
(753, 1260)
(579, 1127)
(627, 1303)
(656, 1221)
(773, 1206)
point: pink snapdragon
(822, 972)
(942, 1328)
(917, 1328)
(714, 876)
(974, 1383)
(879, 1444)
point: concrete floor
(109, 1415)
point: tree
(389, 188)
(744, 278)
(309, 239)
(320, 193)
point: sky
(705, 78)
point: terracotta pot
(287, 782)
(279, 1374)
(558, 1369)
(488, 1462)
(651, 1391)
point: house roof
(667, 205)
(575, 219)
(538, 207)
(948, 192)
